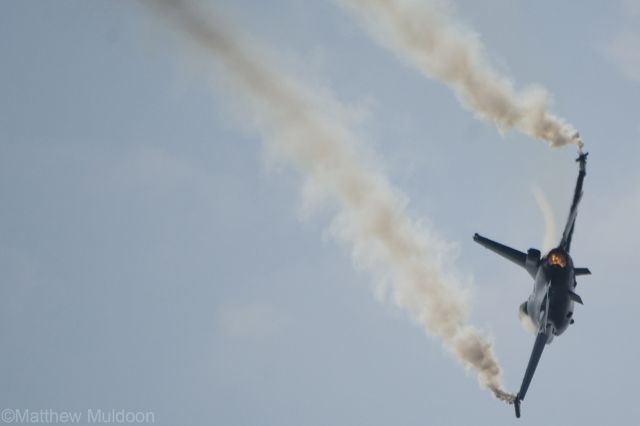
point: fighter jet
(550, 305)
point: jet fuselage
(555, 274)
(550, 305)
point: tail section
(528, 261)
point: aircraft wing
(565, 243)
(545, 334)
(528, 261)
(536, 354)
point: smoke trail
(527, 323)
(371, 216)
(425, 34)
(549, 240)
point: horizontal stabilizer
(582, 271)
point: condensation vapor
(550, 233)
(425, 34)
(371, 218)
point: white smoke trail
(371, 216)
(549, 239)
(425, 34)
(527, 322)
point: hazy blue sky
(152, 257)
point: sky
(155, 256)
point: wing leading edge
(565, 243)
(528, 261)
(536, 354)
